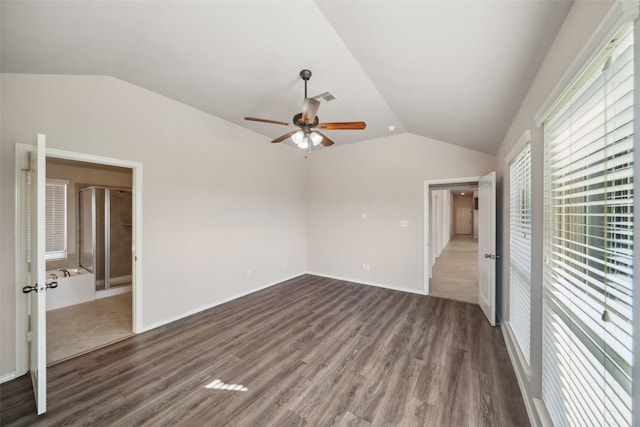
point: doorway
(92, 305)
(454, 261)
(129, 296)
(439, 227)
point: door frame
(137, 261)
(427, 220)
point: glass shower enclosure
(105, 235)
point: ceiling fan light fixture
(300, 139)
(315, 138)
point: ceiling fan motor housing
(297, 120)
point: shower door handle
(52, 285)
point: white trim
(8, 377)
(217, 303)
(21, 353)
(509, 341)
(367, 283)
(621, 11)
(426, 270)
(524, 139)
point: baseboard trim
(377, 285)
(7, 377)
(215, 304)
(509, 341)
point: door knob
(34, 288)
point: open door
(36, 286)
(487, 246)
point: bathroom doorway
(93, 304)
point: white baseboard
(377, 285)
(7, 377)
(217, 303)
(515, 358)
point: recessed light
(391, 128)
(462, 194)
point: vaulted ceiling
(452, 70)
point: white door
(36, 286)
(463, 220)
(487, 246)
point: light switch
(364, 215)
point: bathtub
(75, 289)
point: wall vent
(324, 96)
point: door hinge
(28, 336)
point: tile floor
(80, 328)
(455, 273)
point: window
(56, 219)
(520, 248)
(588, 244)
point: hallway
(455, 272)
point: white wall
(384, 178)
(581, 22)
(219, 200)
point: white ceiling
(455, 71)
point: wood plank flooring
(310, 351)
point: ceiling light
(315, 138)
(299, 139)
(462, 194)
(302, 140)
(391, 128)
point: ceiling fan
(307, 136)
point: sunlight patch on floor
(219, 385)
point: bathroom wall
(81, 175)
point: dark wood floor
(310, 351)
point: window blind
(56, 220)
(520, 252)
(588, 239)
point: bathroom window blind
(56, 219)
(588, 239)
(520, 252)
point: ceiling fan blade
(342, 126)
(275, 122)
(325, 141)
(310, 109)
(283, 137)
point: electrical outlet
(366, 267)
(404, 223)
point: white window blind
(56, 219)
(520, 252)
(588, 239)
